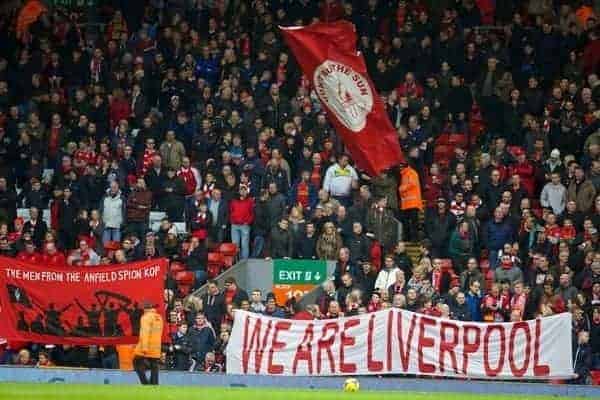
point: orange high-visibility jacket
(151, 328)
(409, 190)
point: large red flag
(328, 57)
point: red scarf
(189, 179)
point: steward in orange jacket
(409, 196)
(410, 189)
(151, 328)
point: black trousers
(143, 364)
(410, 224)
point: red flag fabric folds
(327, 55)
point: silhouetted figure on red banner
(93, 317)
(37, 325)
(53, 323)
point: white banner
(400, 342)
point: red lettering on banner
(277, 369)
(448, 346)
(255, 337)
(304, 351)
(470, 347)
(372, 365)
(512, 350)
(538, 369)
(489, 371)
(325, 344)
(254, 340)
(390, 323)
(424, 341)
(347, 341)
(405, 347)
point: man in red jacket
(241, 216)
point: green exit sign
(299, 272)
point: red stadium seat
(595, 375)
(185, 278)
(229, 251)
(215, 264)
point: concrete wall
(106, 377)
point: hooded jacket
(150, 339)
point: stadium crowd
(197, 109)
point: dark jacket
(214, 307)
(305, 247)
(182, 347)
(275, 208)
(461, 312)
(438, 228)
(202, 341)
(138, 205)
(281, 243)
(8, 205)
(359, 246)
(38, 232)
(499, 233)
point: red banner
(327, 54)
(78, 306)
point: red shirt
(241, 211)
(29, 257)
(57, 259)
(302, 194)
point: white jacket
(385, 279)
(112, 210)
(338, 181)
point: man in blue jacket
(473, 298)
(499, 231)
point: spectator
(340, 179)
(139, 203)
(219, 211)
(582, 358)
(507, 271)
(329, 243)
(388, 274)
(439, 224)
(499, 231)
(202, 340)
(460, 310)
(554, 195)
(306, 244)
(181, 347)
(581, 191)
(241, 216)
(234, 294)
(113, 213)
(213, 303)
(381, 224)
(172, 152)
(282, 242)
(473, 300)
